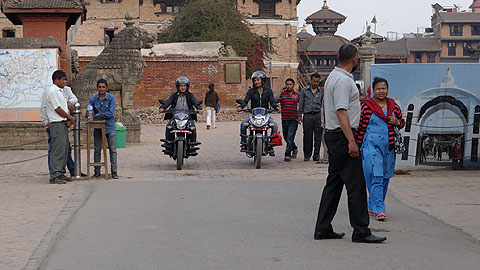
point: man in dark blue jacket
(259, 96)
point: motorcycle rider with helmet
(182, 100)
(259, 96)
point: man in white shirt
(55, 109)
(342, 114)
(71, 100)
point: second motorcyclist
(259, 96)
(181, 100)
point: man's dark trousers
(348, 171)
(312, 134)
(289, 130)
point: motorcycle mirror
(162, 101)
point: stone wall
(22, 136)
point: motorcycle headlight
(181, 123)
(259, 121)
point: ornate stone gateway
(121, 64)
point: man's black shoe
(306, 159)
(114, 175)
(330, 235)
(243, 148)
(316, 158)
(272, 154)
(83, 175)
(66, 179)
(372, 239)
(57, 180)
(96, 175)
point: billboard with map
(24, 75)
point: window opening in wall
(110, 32)
(465, 48)
(475, 29)
(431, 57)
(456, 30)
(266, 8)
(452, 48)
(418, 57)
(171, 9)
(8, 33)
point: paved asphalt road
(244, 224)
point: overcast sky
(402, 16)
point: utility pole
(269, 58)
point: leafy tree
(217, 20)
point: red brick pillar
(45, 25)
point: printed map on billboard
(24, 75)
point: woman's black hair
(102, 81)
(377, 80)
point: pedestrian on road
(289, 110)
(342, 113)
(376, 135)
(456, 156)
(56, 111)
(211, 102)
(309, 114)
(103, 105)
(71, 99)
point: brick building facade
(275, 18)
(201, 62)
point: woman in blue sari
(377, 138)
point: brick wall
(42, 26)
(158, 78)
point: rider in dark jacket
(182, 99)
(259, 96)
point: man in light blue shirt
(103, 105)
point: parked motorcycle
(181, 147)
(258, 142)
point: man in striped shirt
(288, 102)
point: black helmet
(184, 80)
(259, 74)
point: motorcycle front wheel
(258, 153)
(179, 155)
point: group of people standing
(359, 137)
(56, 105)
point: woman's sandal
(381, 216)
(371, 213)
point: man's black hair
(315, 75)
(377, 80)
(347, 52)
(102, 81)
(358, 86)
(58, 75)
(290, 80)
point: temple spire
(325, 4)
